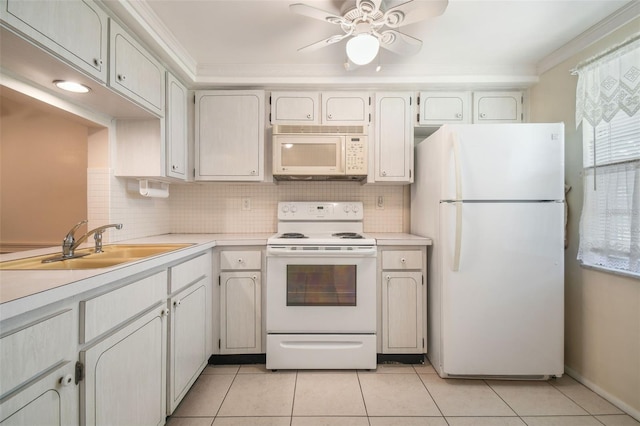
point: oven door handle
(321, 252)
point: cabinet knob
(66, 380)
(253, 172)
(240, 261)
(177, 303)
(122, 77)
(458, 115)
(384, 173)
(164, 313)
(483, 115)
(403, 260)
(97, 62)
(330, 116)
(254, 277)
(388, 277)
(309, 116)
(173, 167)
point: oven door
(321, 290)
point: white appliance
(492, 198)
(321, 291)
(319, 152)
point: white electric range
(321, 288)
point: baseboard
(633, 412)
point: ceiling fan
(370, 26)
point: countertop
(22, 290)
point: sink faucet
(69, 244)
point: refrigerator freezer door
(503, 309)
(503, 162)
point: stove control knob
(347, 207)
(355, 208)
(294, 209)
(285, 208)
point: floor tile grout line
(364, 401)
(226, 394)
(503, 400)
(293, 401)
(431, 396)
(574, 401)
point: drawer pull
(240, 261)
(403, 260)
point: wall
(602, 328)
(217, 207)
(43, 180)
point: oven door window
(321, 285)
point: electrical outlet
(380, 203)
(246, 204)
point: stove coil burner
(348, 235)
(293, 235)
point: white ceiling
(255, 42)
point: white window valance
(609, 83)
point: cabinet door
(73, 30)
(50, 401)
(230, 135)
(497, 107)
(295, 108)
(438, 108)
(402, 307)
(393, 138)
(240, 307)
(134, 72)
(176, 128)
(345, 108)
(187, 341)
(125, 374)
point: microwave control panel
(356, 155)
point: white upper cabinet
(393, 135)
(134, 72)
(436, 108)
(339, 108)
(345, 108)
(176, 128)
(295, 108)
(73, 30)
(229, 135)
(497, 107)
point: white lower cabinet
(125, 374)
(404, 299)
(37, 360)
(50, 401)
(240, 325)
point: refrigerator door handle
(456, 161)
(458, 238)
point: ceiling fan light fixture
(363, 48)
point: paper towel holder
(150, 189)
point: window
(608, 107)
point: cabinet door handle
(309, 116)
(388, 277)
(177, 303)
(254, 277)
(253, 172)
(458, 115)
(403, 260)
(384, 173)
(483, 115)
(164, 313)
(122, 77)
(330, 116)
(173, 167)
(240, 261)
(66, 380)
(97, 62)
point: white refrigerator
(492, 199)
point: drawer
(31, 350)
(192, 270)
(402, 259)
(250, 259)
(102, 313)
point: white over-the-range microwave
(320, 152)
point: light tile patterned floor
(394, 394)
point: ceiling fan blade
(312, 12)
(322, 43)
(414, 11)
(400, 43)
(369, 7)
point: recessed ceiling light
(71, 86)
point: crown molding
(611, 23)
(139, 13)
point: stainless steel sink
(114, 254)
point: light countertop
(22, 290)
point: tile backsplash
(217, 207)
